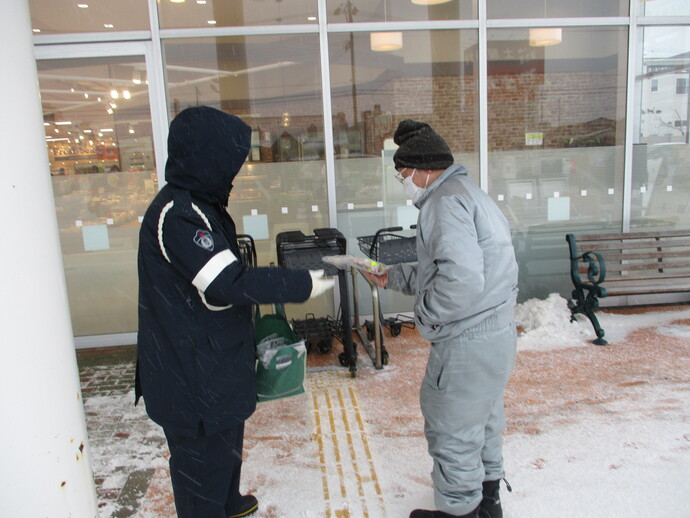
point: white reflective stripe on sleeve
(210, 306)
(212, 269)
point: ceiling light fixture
(545, 36)
(211, 22)
(385, 41)
(429, 2)
(83, 6)
(177, 1)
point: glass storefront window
(661, 150)
(664, 8)
(348, 11)
(432, 78)
(99, 139)
(274, 84)
(506, 9)
(556, 137)
(223, 13)
(51, 17)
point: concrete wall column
(46, 470)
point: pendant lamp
(429, 2)
(545, 36)
(386, 41)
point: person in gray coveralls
(465, 287)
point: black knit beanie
(420, 147)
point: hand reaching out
(380, 280)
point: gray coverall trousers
(462, 404)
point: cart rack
(387, 248)
(298, 251)
(247, 249)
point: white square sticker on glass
(558, 209)
(350, 206)
(315, 208)
(256, 226)
(95, 237)
(407, 216)
(283, 210)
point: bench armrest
(596, 268)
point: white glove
(319, 283)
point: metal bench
(631, 263)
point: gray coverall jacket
(465, 287)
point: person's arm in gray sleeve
(459, 261)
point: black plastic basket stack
(389, 248)
(299, 251)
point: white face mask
(414, 192)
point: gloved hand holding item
(319, 283)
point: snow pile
(546, 325)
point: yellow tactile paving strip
(350, 485)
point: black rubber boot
(421, 513)
(249, 506)
(491, 501)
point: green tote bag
(281, 358)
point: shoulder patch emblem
(204, 239)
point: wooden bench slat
(633, 245)
(583, 238)
(654, 266)
(648, 276)
(616, 292)
(647, 255)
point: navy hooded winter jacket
(195, 352)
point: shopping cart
(388, 248)
(298, 251)
(247, 249)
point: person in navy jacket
(195, 349)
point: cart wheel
(342, 358)
(395, 329)
(307, 344)
(325, 346)
(353, 373)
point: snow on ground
(615, 458)
(546, 324)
